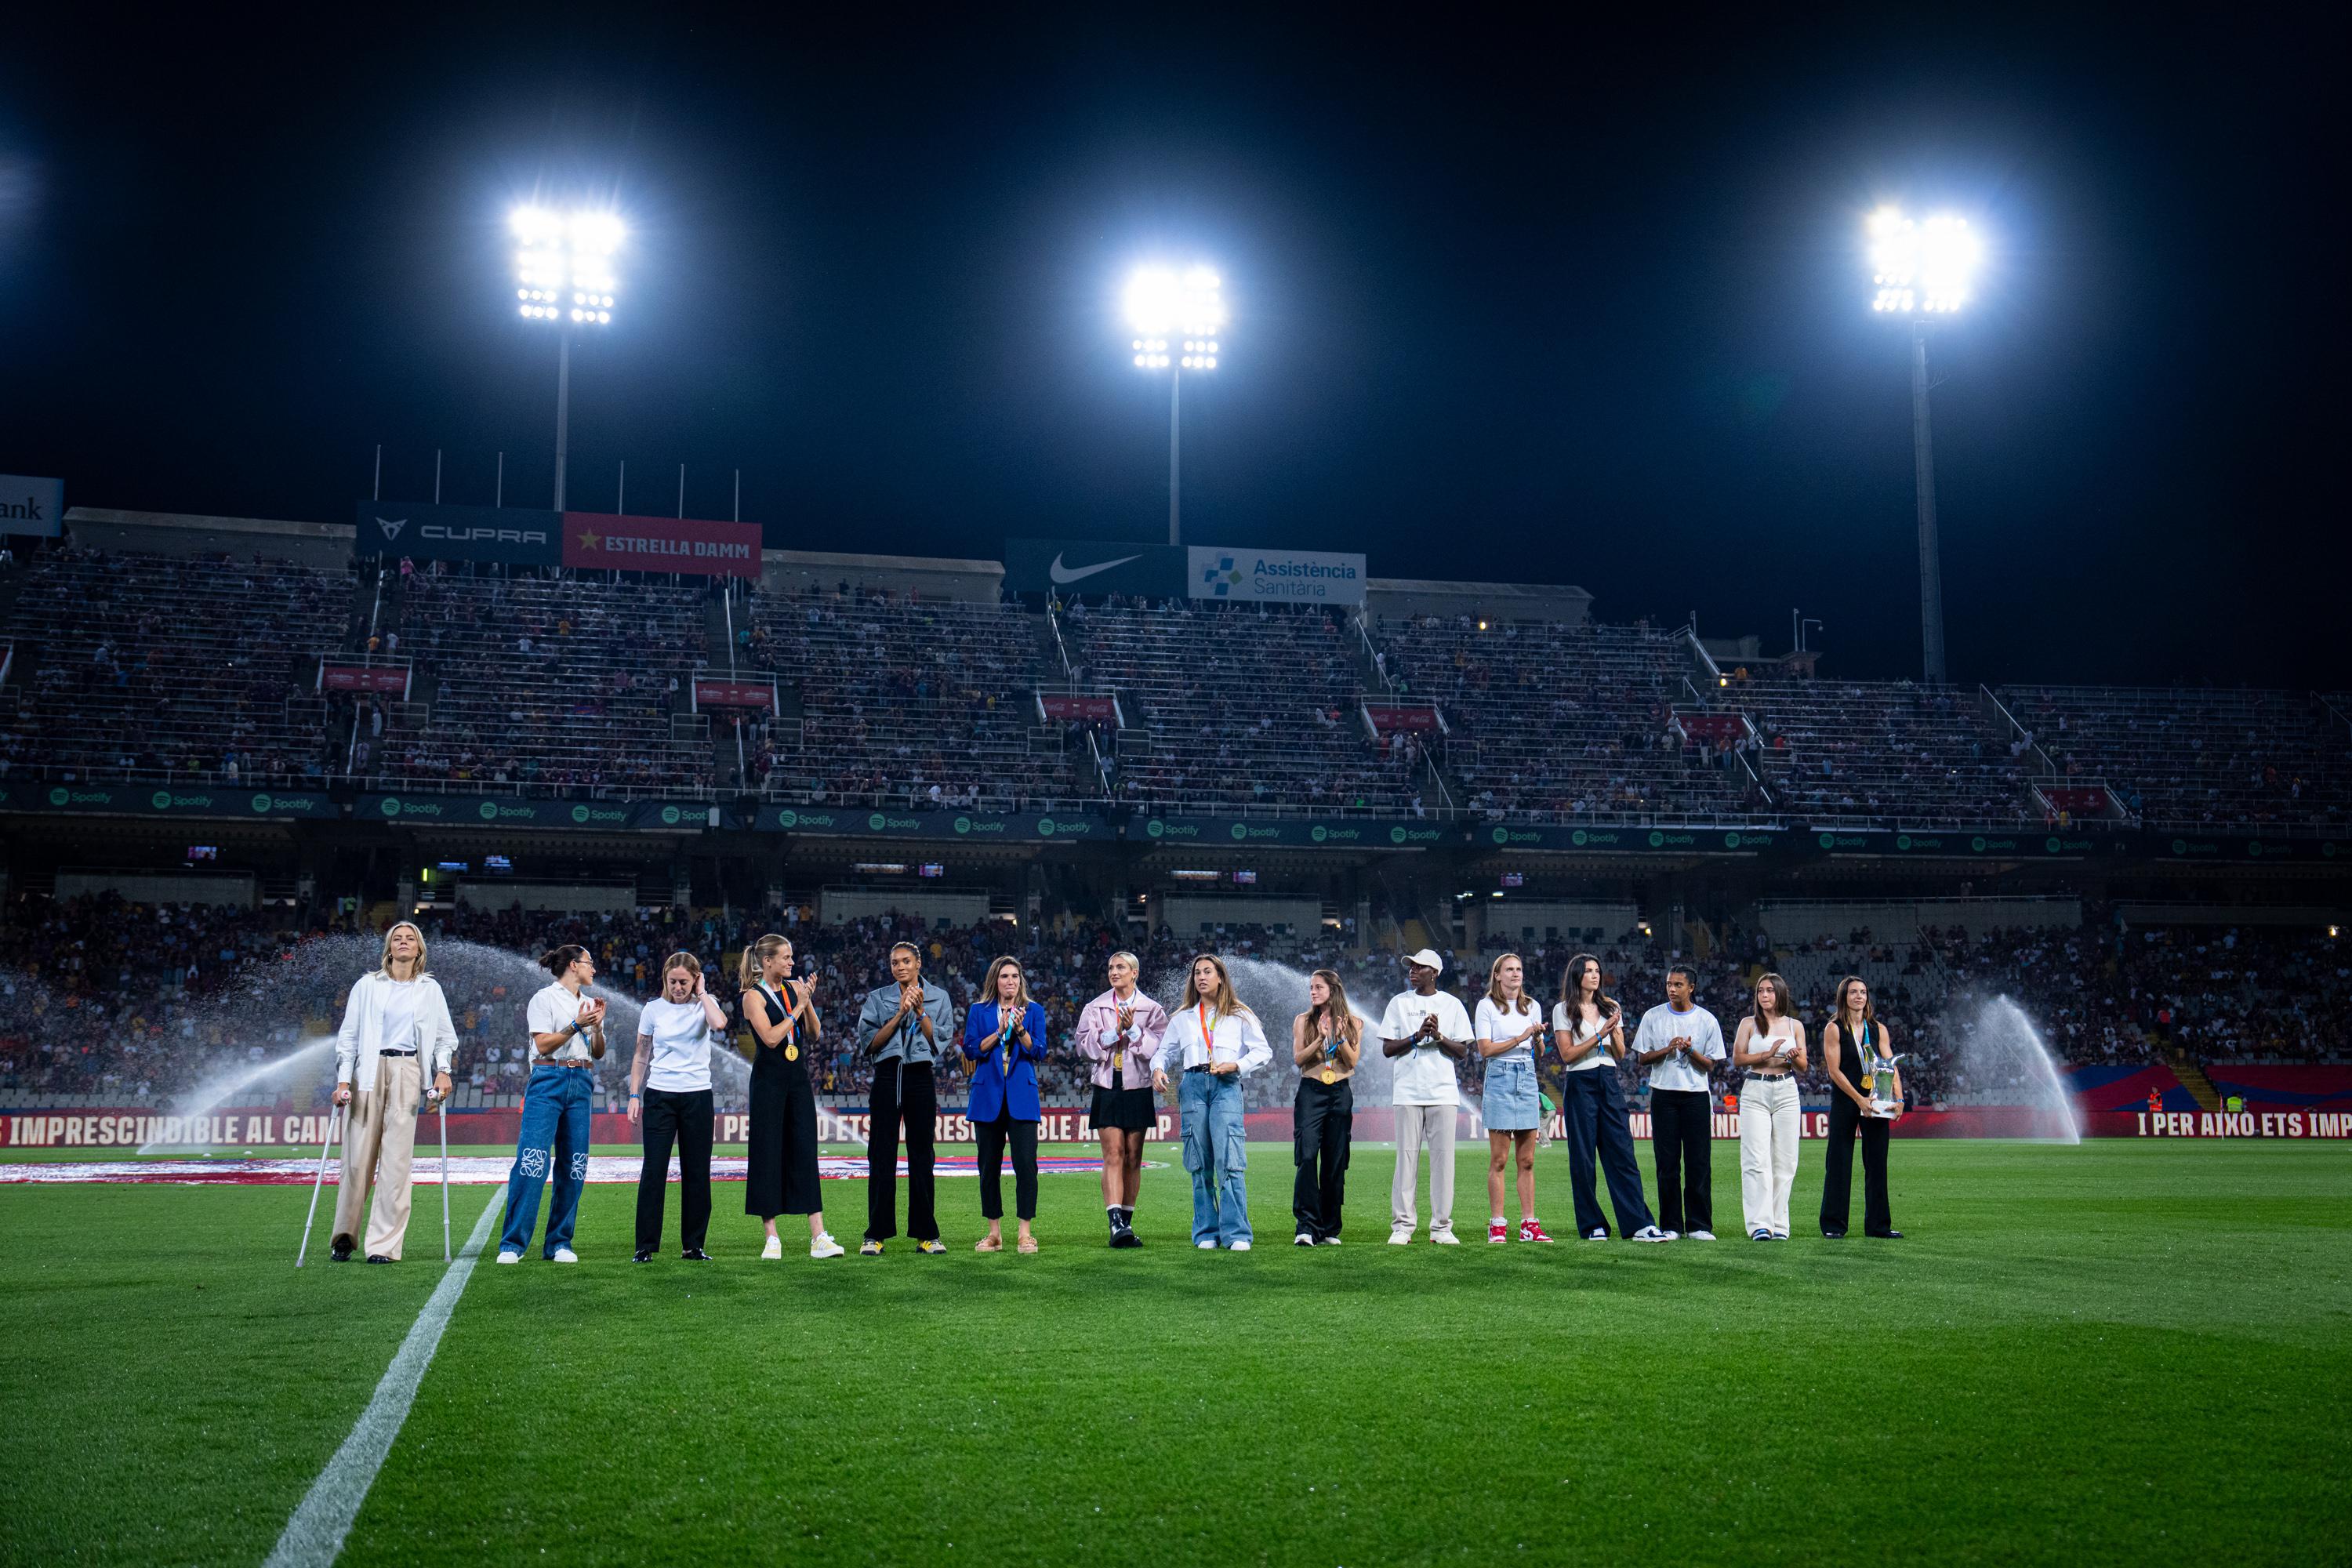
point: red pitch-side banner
(392, 678)
(1101, 709)
(1419, 717)
(607, 542)
(733, 693)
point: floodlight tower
(1166, 309)
(563, 276)
(1922, 271)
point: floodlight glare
(1189, 307)
(573, 248)
(1925, 267)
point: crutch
(334, 1114)
(441, 1103)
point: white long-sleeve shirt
(1236, 1037)
(379, 1006)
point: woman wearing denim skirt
(1508, 1024)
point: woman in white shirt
(1770, 1044)
(393, 1015)
(670, 1096)
(1212, 1042)
(1589, 1032)
(1507, 1025)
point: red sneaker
(1530, 1231)
(1498, 1231)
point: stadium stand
(1551, 721)
(907, 703)
(1233, 708)
(1897, 755)
(536, 681)
(2198, 760)
(132, 667)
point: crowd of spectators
(1894, 756)
(1239, 707)
(123, 672)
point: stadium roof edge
(99, 516)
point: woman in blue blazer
(1004, 1033)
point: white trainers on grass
(825, 1246)
(511, 1257)
(774, 1249)
(565, 1255)
(1652, 1233)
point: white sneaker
(1400, 1238)
(1652, 1233)
(1242, 1246)
(1600, 1234)
(775, 1247)
(1302, 1239)
(565, 1255)
(825, 1246)
(511, 1257)
(1444, 1239)
(1204, 1245)
(1328, 1241)
(1702, 1235)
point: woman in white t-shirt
(670, 1096)
(1508, 1026)
(1770, 1045)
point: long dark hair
(1781, 1006)
(1343, 1016)
(556, 960)
(1572, 983)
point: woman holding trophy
(1867, 1099)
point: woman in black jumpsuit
(783, 1175)
(1853, 1036)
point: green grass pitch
(2119, 1352)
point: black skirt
(1127, 1110)
(781, 1177)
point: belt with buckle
(1202, 1068)
(579, 1065)
(408, 1053)
(1770, 1077)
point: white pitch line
(314, 1536)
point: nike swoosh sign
(1061, 574)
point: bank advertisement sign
(1285, 576)
(31, 506)
(512, 536)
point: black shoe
(378, 1257)
(1885, 1234)
(1834, 1235)
(645, 1255)
(693, 1255)
(1125, 1236)
(344, 1247)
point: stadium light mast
(1177, 318)
(1922, 271)
(563, 276)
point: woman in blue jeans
(1212, 1044)
(567, 1039)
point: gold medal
(1330, 1075)
(792, 1053)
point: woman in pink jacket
(1120, 1032)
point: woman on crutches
(393, 1015)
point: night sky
(1539, 305)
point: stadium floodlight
(1923, 270)
(563, 275)
(1179, 319)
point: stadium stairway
(2192, 1079)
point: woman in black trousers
(783, 1174)
(669, 1098)
(1326, 1042)
(1852, 1039)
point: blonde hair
(755, 958)
(988, 987)
(680, 961)
(1525, 1003)
(1130, 958)
(1227, 1003)
(383, 959)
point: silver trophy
(1885, 1091)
